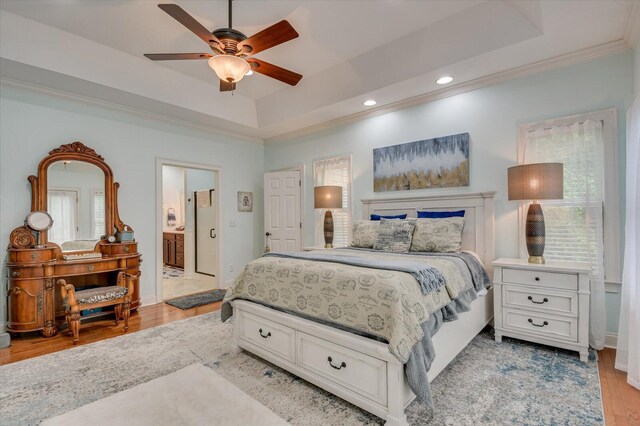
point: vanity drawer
(539, 278)
(34, 272)
(84, 267)
(271, 336)
(540, 299)
(361, 373)
(179, 237)
(551, 326)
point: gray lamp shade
(539, 181)
(327, 197)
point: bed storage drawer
(540, 278)
(361, 373)
(539, 299)
(542, 324)
(271, 336)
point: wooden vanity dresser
(33, 267)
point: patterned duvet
(385, 304)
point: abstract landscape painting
(432, 163)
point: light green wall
(32, 123)
(491, 115)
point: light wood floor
(621, 401)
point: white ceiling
(347, 50)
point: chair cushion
(97, 295)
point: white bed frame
(371, 378)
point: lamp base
(535, 233)
(328, 229)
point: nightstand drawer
(563, 328)
(540, 299)
(539, 278)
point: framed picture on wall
(432, 163)
(245, 201)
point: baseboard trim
(148, 300)
(610, 340)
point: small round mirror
(39, 221)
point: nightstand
(546, 303)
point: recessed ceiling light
(250, 72)
(369, 102)
(445, 79)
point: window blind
(61, 205)
(98, 210)
(575, 224)
(334, 171)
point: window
(334, 171)
(98, 214)
(63, 206)
(583, 226)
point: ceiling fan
(231, 59)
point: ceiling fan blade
(267, 38)
(225, 86)
(176, 56)
(274, 71)
(180, 15)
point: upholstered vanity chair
(118, 296)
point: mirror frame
(77, 151)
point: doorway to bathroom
(190, 236)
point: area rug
(198, 299)
(171, 272)
(513, 382)
(194, 395)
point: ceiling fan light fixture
(229, 67)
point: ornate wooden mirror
(75, 186)
(88, 245)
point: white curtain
(628, 350)
(574, 225)
(61, 205)
(334, 171)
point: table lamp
(540, 181)
(327, 197)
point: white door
(282, 216)
(206, 235)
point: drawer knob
(15, 274)
(340, 367)
(538, 325)
(537, 278)
(264, 336)
(545, 300)
(90, 268)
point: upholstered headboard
(478, 233)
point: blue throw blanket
(429, 277)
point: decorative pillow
(395, 235)
(365, 233)
(438, 235)
(398, 216)
(438, 215)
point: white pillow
(365, 233)
(443, 235)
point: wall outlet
(231, 268)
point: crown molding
(6, 81)
(499, 77)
